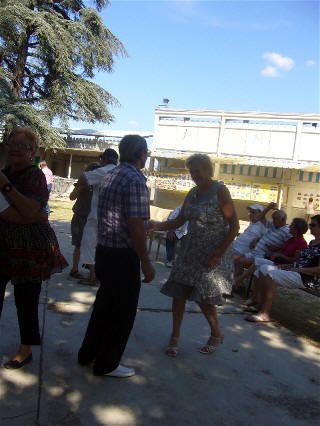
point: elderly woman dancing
(29, 251)
(204, 267)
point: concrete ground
(261, 375)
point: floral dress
(310, 258)
(29, 253)
(190, 277)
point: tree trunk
(19, 72)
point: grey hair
(203, 160)
(130, 148)
(282, 214)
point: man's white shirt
(94, 179)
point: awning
(245, 160)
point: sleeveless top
(207, 229)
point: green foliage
(49, 53)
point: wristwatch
(7, 187)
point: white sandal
(210, 347)
(172, 349)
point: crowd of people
(109, 227)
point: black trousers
(114, 309)
(26, 296)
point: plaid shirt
(123, 194)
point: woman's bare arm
(11, 215)
(230, 214)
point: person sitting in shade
(304, 272)
(289, 253)
(277, 233)
(247, 240)
(173, 237)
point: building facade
(82, 148)
(261, 157)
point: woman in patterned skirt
(204, 267)
(29, 251)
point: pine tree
(49, 53)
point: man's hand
(148, 271)
(275, 255)
(152, 226)
(285, 267)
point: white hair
(282, 214)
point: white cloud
(270, 71)
(133, 123)
(278, 60)
(310, 62)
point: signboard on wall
(262, 193)
(301, 197)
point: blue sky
(230, 55)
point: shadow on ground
(262, 374)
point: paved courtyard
(261, 375)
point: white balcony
(270, 139)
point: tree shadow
(262, 373)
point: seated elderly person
(246, 241)
(288, 254)
(277, 233)
(305, 272)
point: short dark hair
(300, 224)
(130, 148)
(110, 155)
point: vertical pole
(69, 167)
(221, 134)
(296, 141)
(151, 165)
(216, 170)
(280, 194)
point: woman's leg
(76, 259)
(27, 302)
(210, 313)
(178, 307)
(257, 290)
(92, 276)
(269, 289)
(238, 280)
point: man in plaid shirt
(123, 209)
